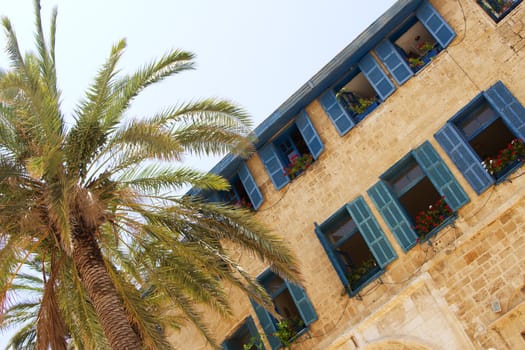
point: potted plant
(255, 343)
(415, 63)
(298, 165)
(428, 220)
(287, 330)
(507, 158)
(355, 277)
(244, 203)
(362, 105)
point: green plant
(298, 165)
(427, 220)
(415, 62)
(514, 151)
(286, 331)
(425, 46)
(360, 271)
(362, 105)
(254, 342)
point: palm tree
(90, 217)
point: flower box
(370, 108)
(298, 165)
(508, 159)
(430, 221)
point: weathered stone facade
(465, 289)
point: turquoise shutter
(394, 215)
(250, 186)
(510, 109)
(253, 330)
(371, 232)
(440, 176)
(435, 24)
(266, 321)
(303, 303)
(331, 255)
(342, 121)
(394, 62)
(464, 157)
(310, 136)
(273, 166)
(376, 76)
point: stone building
(395, 175)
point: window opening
(352, 252)
(498, 9)
(358, 97)
(293, 152)
(237, 194)
(492, 140)
(415, 44)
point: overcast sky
(256, 53)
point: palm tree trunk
(108, 306)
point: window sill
(374, 275)
(359, 117)
(447, 222)
(507, 172)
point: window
(243, 337)
(356, 245)
(497, 9)
(414, 43)
(365, 86)
(485, 138)
(291, 152)
(290, 302)
(243, 190)
(417, 196)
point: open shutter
(342, 121)
(464, 157)
(265, 319)
(440, 176)
(394, 215)
(376, 76)
(371, 232)
(510, 109)
(435, 24)
(303, 303)
(310, 136)
(394, 62)
(250, 186)
(331, 255)
(273, 166)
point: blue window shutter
(331, 255)
(510, 109)
(310, 136)
(371, 232)
(435, 24)
(266, 321)
(394, 215)
(394, 62)
(273, 165)
(225, 346)
(341, 120)
(439, 174)
(303, 303)
(376, 76)
(250, 186)
(450, 138)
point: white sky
(256, 53)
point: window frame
(250, 327)
(455, 143)
(490, 12)
(372, 234)
(395, 214)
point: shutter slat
(310, 135)
(435, 24)
(273, 166)
(371, 232)
(376, 76)
(342, 121)
(265, 319)
(394, 215)
(508, 106)
(302, 302)
(394, 62)
(250, 186)
(440, 176)
(462, 155)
